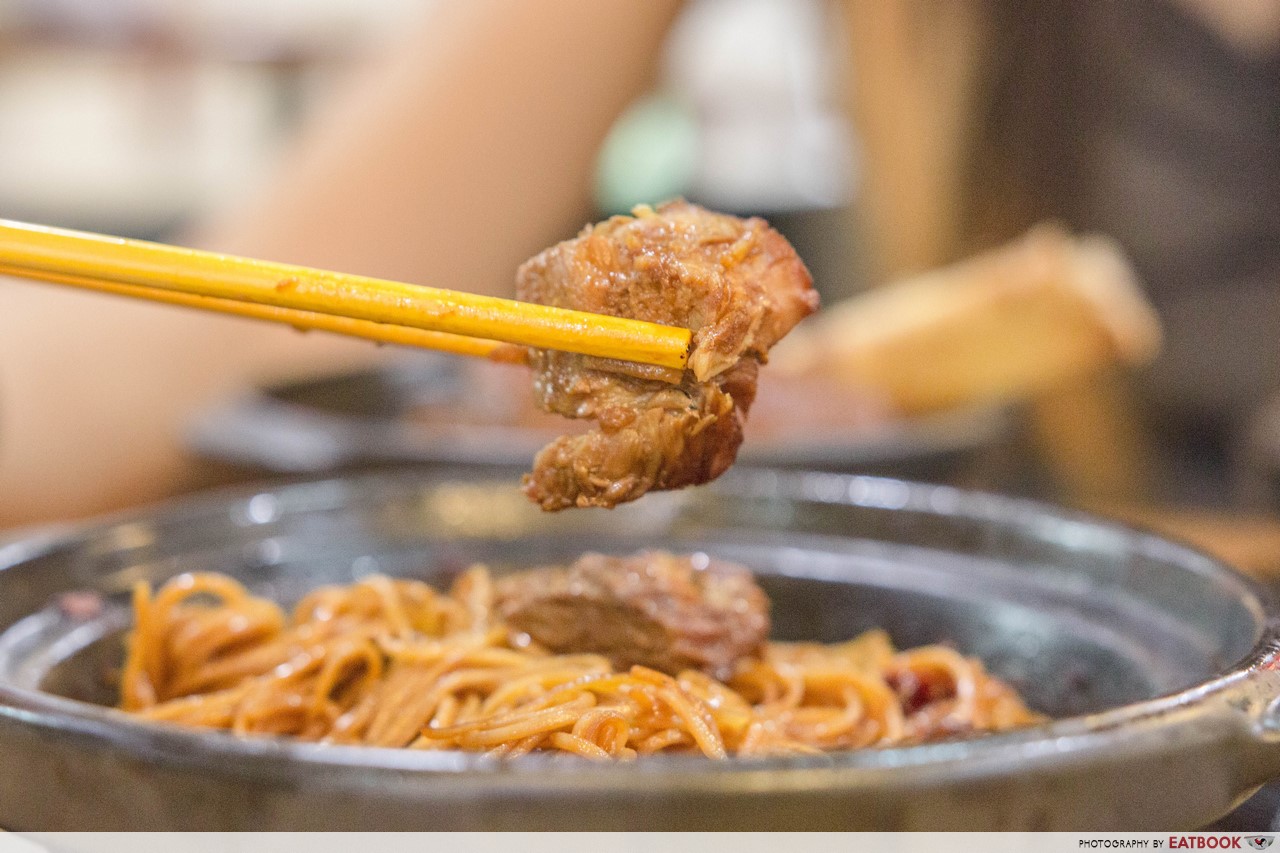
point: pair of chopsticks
(370, 308)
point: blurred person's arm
(469, 151)
(460, 153)
(95, 392)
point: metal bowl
(1160, 663)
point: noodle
(396, 663)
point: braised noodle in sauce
(396, 663)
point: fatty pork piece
(656, 609)
(736, 283)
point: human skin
(448, 160)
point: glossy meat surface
(655, 609)
(736, 283)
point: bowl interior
(1078, 614)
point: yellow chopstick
(382, 333)
(141, 269)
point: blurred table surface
(1249, 541)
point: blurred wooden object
(1090, 441)
(913, 89)
(956, 157)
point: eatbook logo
(1260, 842)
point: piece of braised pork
(740, 287)
(655, 609)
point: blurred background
(884, 139)
(139, 116)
